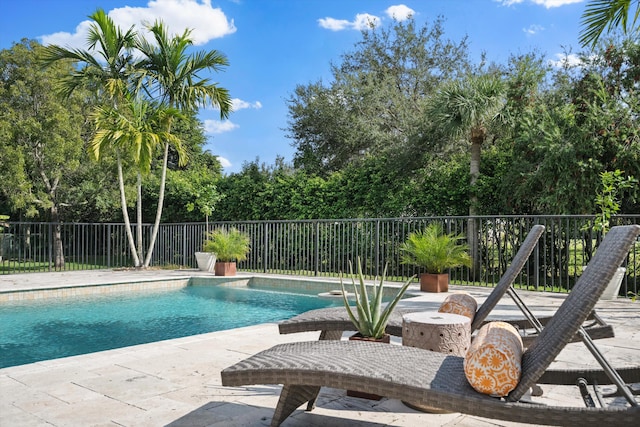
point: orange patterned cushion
(492, 364)
(459, 303)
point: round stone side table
(442, 332)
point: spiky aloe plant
(371, 320)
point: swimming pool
(40, 330)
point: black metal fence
(325, 247)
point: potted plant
(370, 319)
(228, 245)
(206, 261)
(436, 252)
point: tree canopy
(368, 142)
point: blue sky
(274, 45)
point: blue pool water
(48, 329)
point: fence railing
(325, 247)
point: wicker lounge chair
(438, 380)
(332, 322)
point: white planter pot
(611, 292)
(206, 261)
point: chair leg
(536, 390)
(291, 397)
(330, 335)
(623, 388)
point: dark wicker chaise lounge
(332, 322)
(438, 380)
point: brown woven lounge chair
(438, 380)
(332, 322)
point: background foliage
(365, 145)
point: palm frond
(604, 15)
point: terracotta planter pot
(386, 339)
(434, 282)
(225, 268)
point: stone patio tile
(158, 410)
(127, 385)
(19, 417)
(96, 412)
(198, 394)
(42, 380)
(225, 414)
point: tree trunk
(472, 225)
(474, 172)
(139, 216)
(58, 251)
(156, 224)
(125, 214)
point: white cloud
(77, 40)
(555, 3)
(565, 60)
(546, 3)
(225, 163)
(334, 24)
(239, 104)
(365, 21)
(400, 12)
(533, 29)
(217, 126)
(362, 21)
(206, 22)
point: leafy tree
(191, 195)
(41, 145)
(441, 187)
(584, 124)
(242, 193)
(376, 100)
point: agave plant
(371, 320)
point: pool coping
(120, 281)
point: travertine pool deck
(177, 382)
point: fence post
(316, 250)
(108, 245)
(265, 249)
(377, 248)
(50, 245)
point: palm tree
(468, 109)
(137, 128)
(105, 65)
(170, 75)
(105, 68)
(606, 14)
